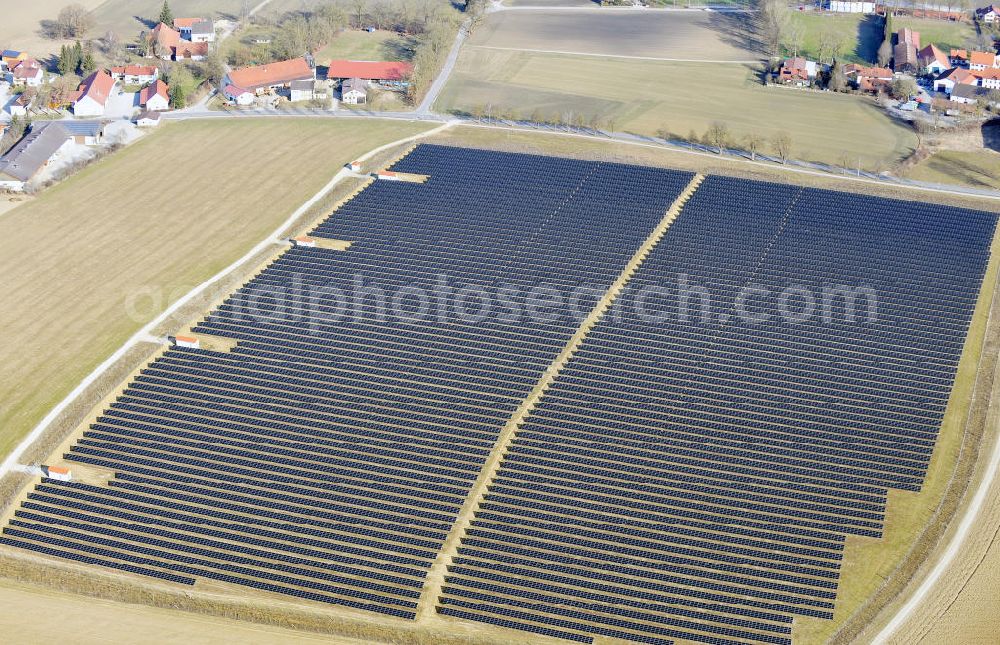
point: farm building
(904, 52)
(186, 50)
(353, 91)
(155, 97)
(92, 96)
(933, 60)
(135, 74)
(162, 41)
(262, 79)
(389, 74)
(969, 94)
(147, 119)
(952, 77)
(87, 133)
(849, 6)
(304, 91)
(26, 73)
(238, 95)
(29, 156)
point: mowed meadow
(694, 75)
(144, 226)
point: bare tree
(793, 38)
(771, 21)
(884, 53)
(74, 21)
(753, 142)
(718, 135)
(781, 143)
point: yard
(861, 35)
(156, 218)
(650, 97)
(979, 168)
(943, 33)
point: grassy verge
(89, 261)
(943, 33)
(977, 168)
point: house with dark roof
(947, 81)
(263, 79)
(969, 94)
(197, 30)
(43, 144)
(353, 91)
(989, 14)
(93, 95)
(147, 119)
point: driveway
(5, 98)
(121, 106)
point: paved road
(442, 78)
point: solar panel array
(326, 459)
(696, 477)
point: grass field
(943, 33)
(354, 44)
(648, 97)
(863, 32)
(688, 35)
(128, 17)
(979, 169)
(158, 218)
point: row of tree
(76, 59)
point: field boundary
(434, 581)
(754, 61)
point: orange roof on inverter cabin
(59, 469)
(190, 339)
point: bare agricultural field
(128, 236)
(20, 26)
(653, 97)
(128, 17)
(656, 34)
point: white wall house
(847, 6)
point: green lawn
(354, 44)
(860, 34)
(648, 97)
(943, 33)
(979, 169)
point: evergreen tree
(166, 16)
(178, 96)
(64, 65)
(88, 64)
(78, 57)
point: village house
(135, 74)
(155, 97)
(959, 58)
(869, 79)
(797, 71)
(989, 78)
(933, 60)
(265, 79)
(162, 41)
(989, 14)
(904, 52)
(20, 105)
(353, 92)
(952, 77)
(26, 73)
(983, 60)
(185, 50)
(92, 96)
(43, 144)
(12, 57)
(196, 30)
(387, 74)
(238, 95)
